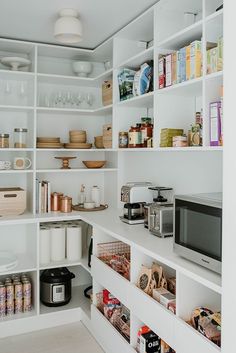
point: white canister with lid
(95, 195)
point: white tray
(7, 261)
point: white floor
(73, 338)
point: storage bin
(107, 92)
(12, 201)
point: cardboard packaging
(150, 343)
(215, 123)
(174, 67)
(157, 292)
(107, 92)
(188, 51)
(12, 201)
(178, 78)
(196, 59)
(168, 70)
(183, 64)
(161, 72)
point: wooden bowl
(94, 164)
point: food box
(168, 70)
(215, 123)
(12, 201)
(126, 81)
(150, 343)
(107, 92)
(188, 51)
(174, 67)
(107, 136)
(161, 72)
(157, 292)
(167, 298)
(196, 59)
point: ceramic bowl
(94, 164)
(82, 68)
(89, 205)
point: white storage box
(12, 201)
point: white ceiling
(34, 19)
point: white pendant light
(68, 28)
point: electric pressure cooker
(55, 286)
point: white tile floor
(73, 338)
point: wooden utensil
(65, 161)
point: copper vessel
(66, 204)
(56, 201)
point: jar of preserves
(123, 139)
(146, 132)
(20, 137)
(4, 140)
(135, 136)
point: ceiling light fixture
(68, 27)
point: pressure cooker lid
(56, 275)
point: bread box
(107, 92)
(12, 201)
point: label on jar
(123, 140)
(134, 138)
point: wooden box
(107, 92)
(12, 201)
(107, 136)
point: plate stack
(78, 140)
(49, 142)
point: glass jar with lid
(146, 130)
(4, 140)
(20, 137)
(135, 136)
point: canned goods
(18, 297)
(2, 300)
(123, 139)
(10, 299)
(26, 296)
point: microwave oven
(198, 229)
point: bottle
(95, 195)
(82, 197)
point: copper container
(56, 201)
(66, 204)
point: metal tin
(4, 140)
(123, 139)
(18, 297)
(2, 300)
(66, 204)
(9, 299)
(56, 201)
(27, 304)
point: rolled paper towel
(58, 238)
(74, 242)
(44, 247)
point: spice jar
(56, 201)
(123, 139)
(66, 204)
(135, 136)
(20, 137)
(4, 140)
(146, 131)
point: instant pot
(55, 286)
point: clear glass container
(4, 140)
(20, 137)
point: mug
(21, 163)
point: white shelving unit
(187, 170)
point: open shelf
(138, 59)
(25, 264)
(188, 88)
(83, 170)
(77, 301)
(183, 37)
(215, 15)
(145, 100)
(98, 111)
(16, 108)
(104, 329)
(65, 263)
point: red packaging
(161, 71)
(108, 298)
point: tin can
(27, 306)
(2, 300)
(18, 297)
(9, 299)
(123, 139)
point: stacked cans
(15, 295)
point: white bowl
(82, 68)
(89, 205)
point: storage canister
(123, 139)
(20, 137)
(135, 136)
(4, 140)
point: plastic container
(20, 137)
(4, 140)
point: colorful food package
(210, 327)
(197, 314)
(144, 279)
(171, 285)
(157, 292)
(150, 343)
(141, 331)
(161, 72)
(142, 79)
(165, 348)
(125, 81)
